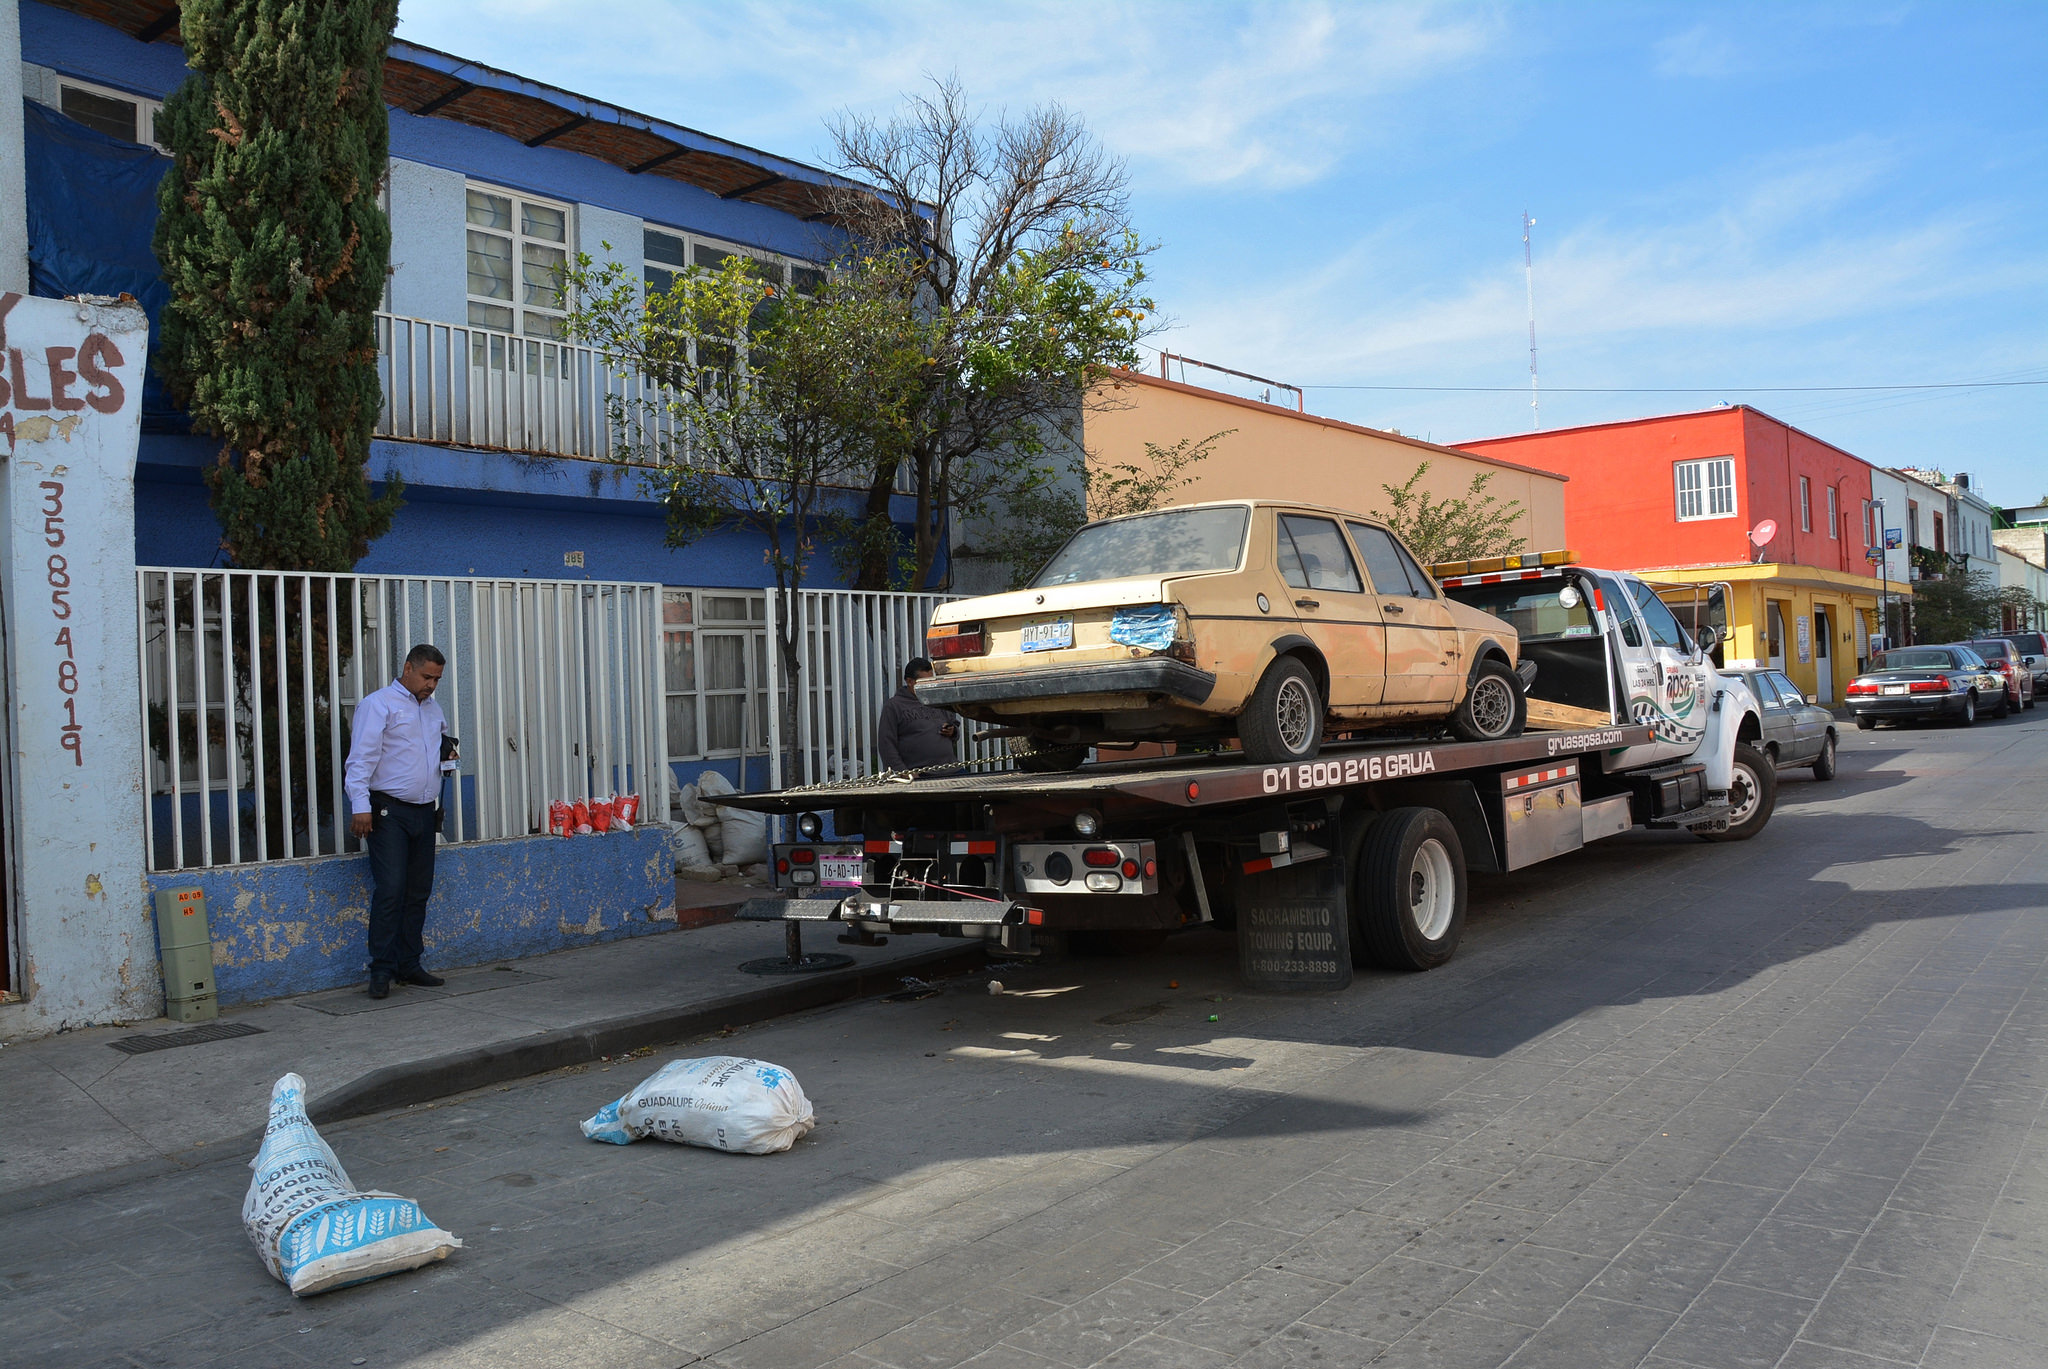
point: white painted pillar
(84, 946)
(13, 164)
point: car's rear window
(2031, 643)
(1922, 659)
(1176, 542)
(1990, 651)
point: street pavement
(1768, 1104)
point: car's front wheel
(1751, 797)
(1283, 722)
(1494, 707)
(1824, 763)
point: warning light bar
(1530, 560)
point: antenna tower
(1529, 280)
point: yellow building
(1811, 623)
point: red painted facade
(1622, 507)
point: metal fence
(250, 681)
(851, 646)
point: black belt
(378, 796)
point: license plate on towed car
(1049, 634)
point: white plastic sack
(691, 848)
(743, 838)
(722, 1101)
(312, 1227)
(696, 806)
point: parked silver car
(1797, 734)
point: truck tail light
(1938, 685)
(804, 855)
(948, 641)
(1102, 857)
(1130, 869)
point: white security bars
(853, 645)
(250, 681)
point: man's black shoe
(380, 986)
(421, 977)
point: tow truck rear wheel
(1283, 722)
(1751, 797)
(1494, 707)
(1408, 898)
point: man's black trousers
(401, 847)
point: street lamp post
(1884, 622)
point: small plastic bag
(314, 1229)
(726, 1102)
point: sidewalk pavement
(82, 1114)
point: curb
(436, 1077)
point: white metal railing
(852, 646)
(250, 681)
(475, 387)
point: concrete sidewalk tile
(1836, 1199)
(1086, 1331)
(2002, 1297)
(1807, 1355)
(815, 1337)
(1662, 1166)
(1766, 1161)
(1713, 1211)
(1954, 1348)
(1163, 1352)
(1945, 1189)
(1217, 1257)
(1449, 1339)
(1347, 1247)
(1302, 1346)
(1887, 1154)
(1916, 1245)
(1789, 1257)
(1662, 1271)
(1431, 1193)
(1528, 1285)
(1312, 1203)
(1594, 1333)
(1390, 1299)
(1475, 1236)
(1730, 1326)
(1599, 1222)
(1248, 1311)
(1546, 1184)
(957, 1332)
(1879, 1314)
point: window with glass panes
(666, 253)
(116, 113)
(518, 248)
(715, 665)
(1706, 489)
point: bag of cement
(721, 1101)
(312, 1227)
(697, 805)
(743, 838)
(691, 849)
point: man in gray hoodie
(913, 734)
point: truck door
(1334, 610)
(1667, 690)
(1425, 656)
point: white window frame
(1834, 515)
(1805, 504)
(146, 109)
(1868, 541)
(1701, 488)
(694, 624)
(705, 252)
(519, 240)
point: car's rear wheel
(1494, 707)
(1824, 763)
(1045, 758)
(1864, 724)
(1969, 713)
(2004, 705)
(1283, 722)
(1751, 797)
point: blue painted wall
(299, 926)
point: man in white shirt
(394, 792)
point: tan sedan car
(1271, 622)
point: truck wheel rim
(1744, 794)
(1432, 892)
(1493, 706)
(1293, 716)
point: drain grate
(191, 1036)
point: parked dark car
(2003, 656)
(1913, 682)
(1796, 733)
(2034, 651)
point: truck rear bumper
(1175, 679)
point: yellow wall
(1279, 454)
(1753, 589)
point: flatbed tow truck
(1358, 857)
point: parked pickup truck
(1357, 857)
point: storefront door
(1823, 655)
(1774, 632)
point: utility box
(186, 943)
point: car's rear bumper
(1175, 679)
(1905, 709)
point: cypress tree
(275, 248)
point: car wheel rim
(1493, 706)
(1827, 753)
(1294, 715)
(1743, 795)
(1970, 709)
(1432, 892)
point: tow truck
(1358, 857)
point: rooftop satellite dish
(1760, 536)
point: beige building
(1277, 453)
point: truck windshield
(1531, 607)
(1176, 542)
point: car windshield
(1532, 608)
(1923, 659)
(1177, 542)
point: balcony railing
(472, 387)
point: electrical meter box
(186, 944)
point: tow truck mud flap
(1293, 928)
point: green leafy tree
(1027, 282)
(1473, 525)
(275, 249)
(768, 408)
(1043, 517)
(1959, 604)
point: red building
(1680, 494)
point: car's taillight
(945, 641)
(1938, 685)
(1862, 687)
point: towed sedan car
(2005, 657)
(1264, 621)
(1915, 682)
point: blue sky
(1726, 195)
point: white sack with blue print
(749, 1107)
(312, 1227)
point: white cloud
(1264, 96)
(1704, 51)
